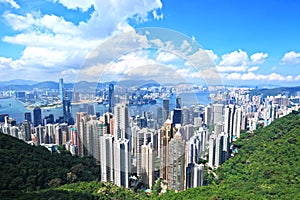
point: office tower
(176, 116)
(165, 135)
(108, 119)
(28, 116)
(107, 158)
(61, 89)
(81, 119)
(110, 97)
(147, 164)
(90, 109)
(122, 128)
(67, 111)
(185, 116)
(176, 163)
(217, 113)
(178, 102)
(37, 116)
(194, 175)
(165, 111)
(122, 162)
(26, 127)
(208, 116)
(159, 116)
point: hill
(28, 168)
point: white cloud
(157, 16)
(231, 68)
(258, 77)
(52, 42)
(84, 5)
(291, 58)
(297, 78)
(4, 62)
(19, 22)
(12, 3)
(166, 57)
(214, 57)
(235, 58)
(254, 68)
(258, 58)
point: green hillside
(29, 168)
(266, 167)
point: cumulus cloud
(291, 58)
(258, 77)
(12, 3)
(52, 42)
(258, 58)
(254, 68)
(214, 57)
(166, 57)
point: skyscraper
(166, 109)
(148, 164)
(37, 116)
(28, 116)
(176, 163)
(61, 89)
(110, 97)
(122, 128)
(122, 162)
(107, 158)
(194, 175)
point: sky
(249, 42)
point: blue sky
(250, 42)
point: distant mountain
(275, 91)
(17, 82)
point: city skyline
(249, 42)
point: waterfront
(16, 109)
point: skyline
(250, 43)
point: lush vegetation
(266, 167)
(28, 168)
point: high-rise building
(121, 115)
(165, 135)
(176, 163)
(110, 97)
(208, 116)
(178, 102)
(217, 113)
(107, 158)
(81, 120)
(147, 164)
(166, 109)
(176, 116)
(37, 116)
(26, 127)
(28, 116)
(61, 89)
(122, 162)
(194, 175)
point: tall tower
(110, 97)
(61, 89)
(166, 109)
(37, 116)
(176, 163)
(121, 129)
(122, 162)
